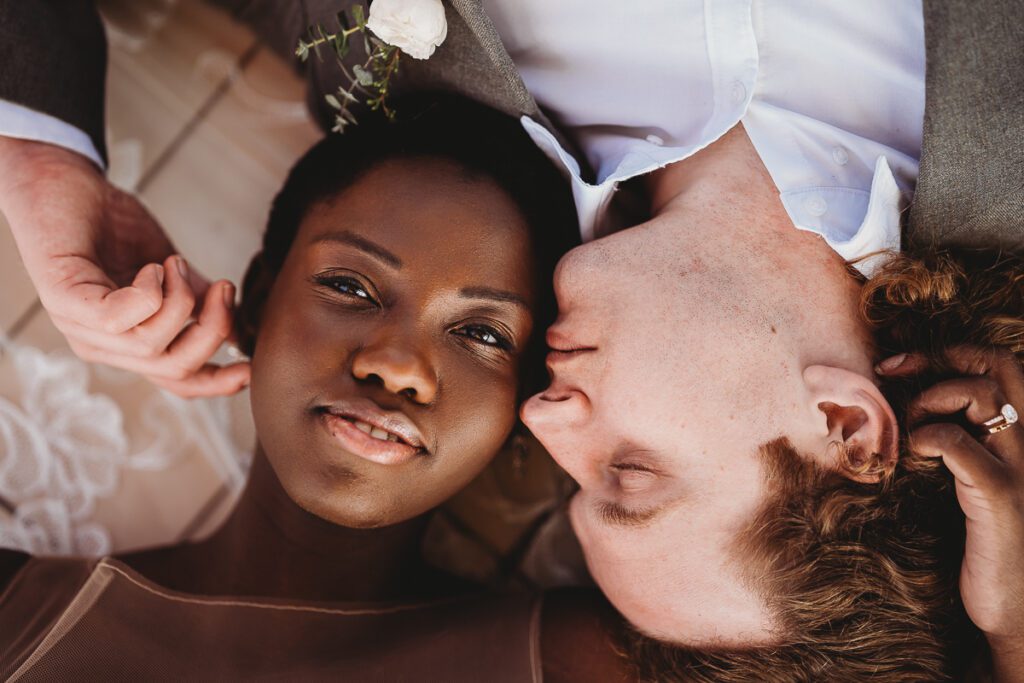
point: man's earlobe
(256, 287)
(860, 438)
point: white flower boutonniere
(416, 27)
(413, 27)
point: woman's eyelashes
(485, 334)
(346, 285)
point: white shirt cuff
(23, 123)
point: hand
(989, 472)
(106, 273)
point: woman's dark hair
(863, 578)
(438, 126)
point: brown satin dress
(81, 620)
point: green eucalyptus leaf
(343, 21)
(346, 95)
(359, 14)
(341, 45)
(364, 77)
(332, 100)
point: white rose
(416, 27)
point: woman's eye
(485, 335)
(345, 285)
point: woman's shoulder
(580, 636)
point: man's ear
(256, 287)
(861, 432)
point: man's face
(667, 375)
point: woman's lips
(362, 428)
(353, 438)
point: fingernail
(229, 296)
(160, 275)
(182, 266)
(891, 363)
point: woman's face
(386, 365)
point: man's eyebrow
(362, 244)
(493, 294)
(621, 516)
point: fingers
(166, 348)
(155, 334)
(966, 360)
(90, 299)
(183, 367)
(209, 380)
(998, 363)
(970, 462)
(150, 338)
(979, 397)
(197, 343)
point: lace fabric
(68, 432)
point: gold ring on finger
(1006, 418)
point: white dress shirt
(23, 123)
(831, 94)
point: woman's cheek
(489, 412)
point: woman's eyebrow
(493, 295)
(362, 244)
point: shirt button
(655, 140)
(840, 155)
(739, 92)
(815, 206)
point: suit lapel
(482, 29)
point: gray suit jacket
(971, 187)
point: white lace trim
(64, 446)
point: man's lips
(561, 341)
(365, 430)
(564, 347)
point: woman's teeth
(375, 432)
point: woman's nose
(399, 368)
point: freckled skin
(451, 231)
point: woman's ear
(860, 436)
(256, 287)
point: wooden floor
(203, 123)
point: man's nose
(562, 424)
(399, 367)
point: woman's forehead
(428, 220)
